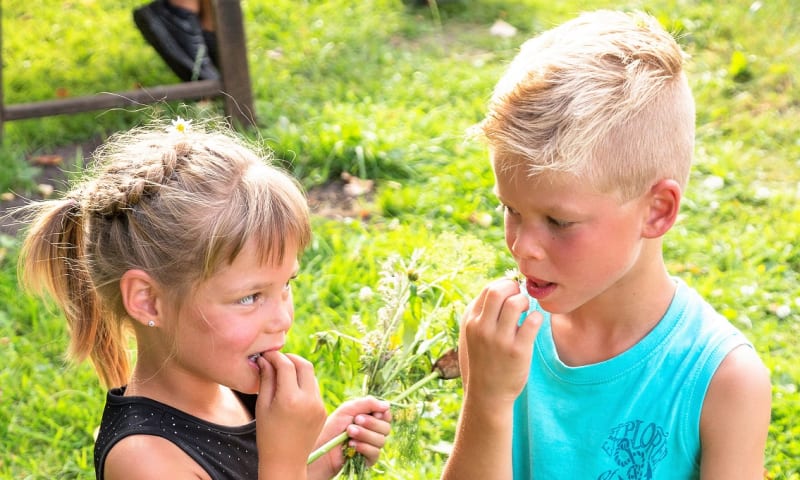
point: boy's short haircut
(602, 97)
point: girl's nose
(281, 317)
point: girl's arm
(735, 419)
(495, 355)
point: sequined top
(223, 452)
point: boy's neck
(615, 321)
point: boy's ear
(140, 296)
(664, 200)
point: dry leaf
(356, 187)
(47, 160)
(45, 189)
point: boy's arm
(735, 419)
(482, 447)
(495, 356)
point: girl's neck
(208, 401)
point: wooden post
(237, 92)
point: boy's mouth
(537, 288)
(254, 357)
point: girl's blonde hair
(177, 203)
(602, 97)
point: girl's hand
(495, 350)
(367, 422)
(289, 415)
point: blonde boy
(620, 370)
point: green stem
(327, 447)
(342, 437)
(413, 388)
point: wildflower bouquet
(411, 347)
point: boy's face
(570, 242)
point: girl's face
(570, 242)
(241, 311)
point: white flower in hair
(179, 125)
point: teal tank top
(634, 416)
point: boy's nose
(526, 243)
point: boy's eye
(248, 300)
(558, 223)
(506, 209)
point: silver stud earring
(151, 323)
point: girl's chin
(250, 389)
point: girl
(187, 239)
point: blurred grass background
(385, 90)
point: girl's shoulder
(149, 456)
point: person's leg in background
(181, 31)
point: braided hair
(176, 204)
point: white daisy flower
(180, 125)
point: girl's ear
(141, 297)
(664, 200)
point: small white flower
(484, 219)
(365, 294)
(762, 193)
(783, 311)
(179, 125)
(747, 290)
(431, 409)
(713, 183)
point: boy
(622, 371)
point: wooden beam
(105, 100)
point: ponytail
(53, 262)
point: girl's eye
(249, 299)
(288, 285)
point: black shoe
(176, 35)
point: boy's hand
(367, 422)
(496, 350)
(495, 356)
(289, 415)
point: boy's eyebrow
(557, 209)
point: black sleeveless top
(224, 452)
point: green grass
(386, 91)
